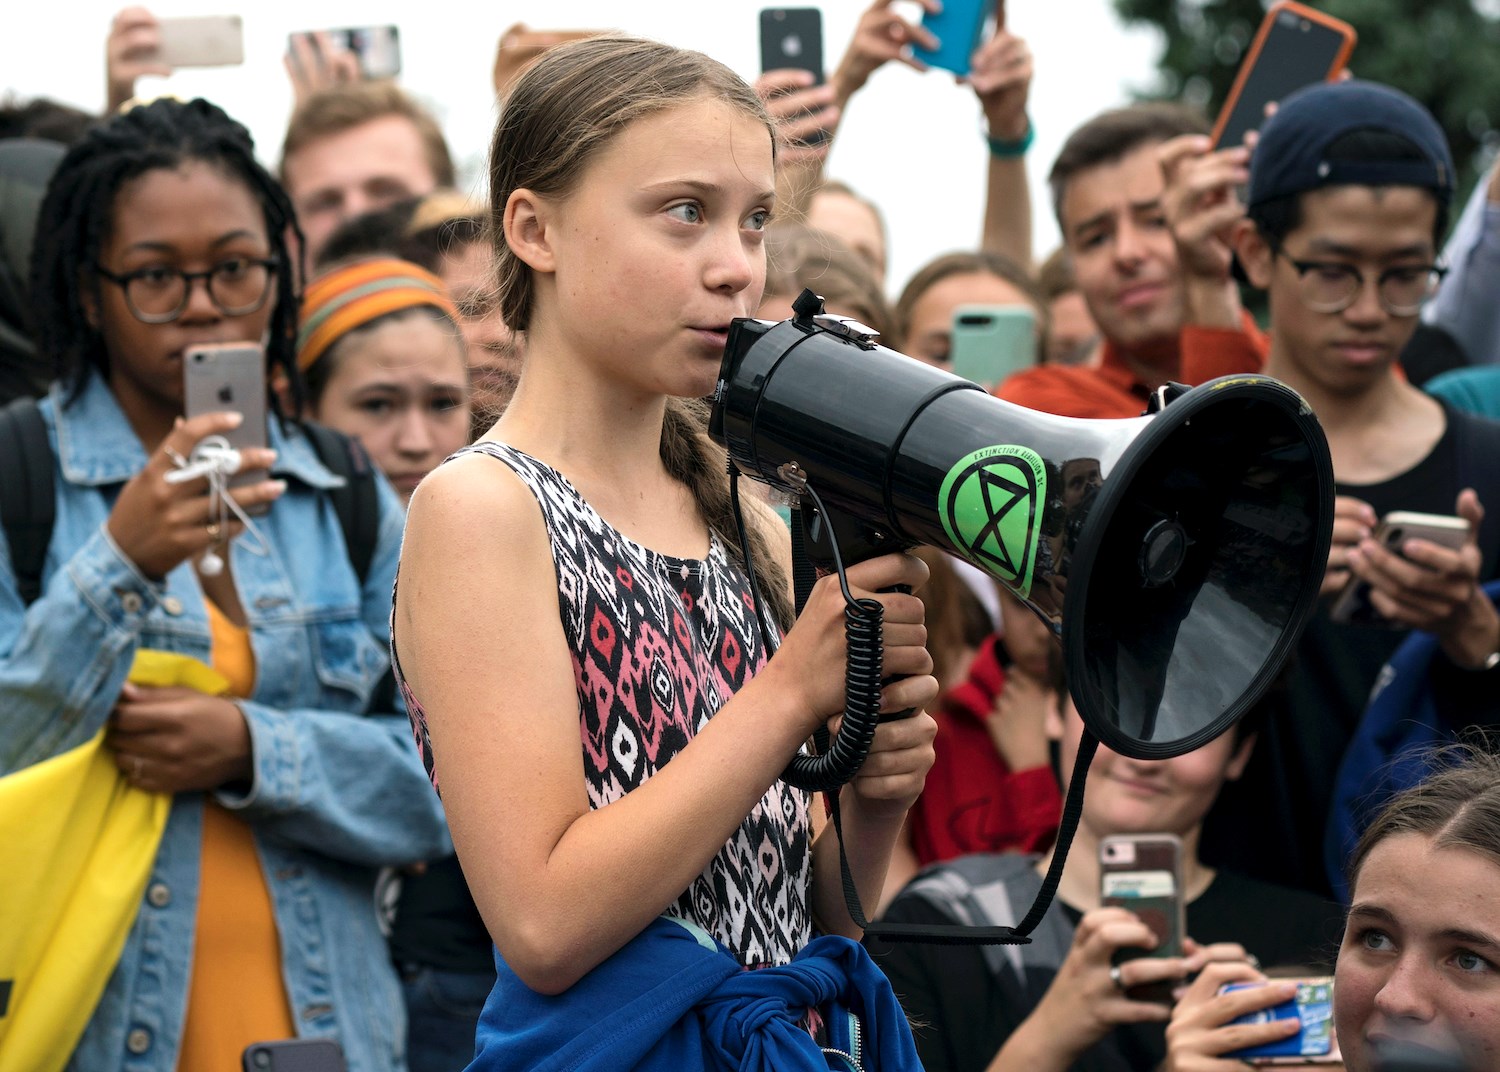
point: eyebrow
(1136, 207)
(1329, 246)
(167, 247)
(709, 189)
(1454, 934)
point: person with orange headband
(383, 361)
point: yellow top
(237, 994)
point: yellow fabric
(236, 993)
(81, 841)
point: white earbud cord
(215, 459)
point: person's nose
(199, 307)
(413, 434)
(1129, 245)
(732, 261)
(1365, 309)
(1406, 992)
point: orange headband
(348, 298)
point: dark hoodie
(26, 166)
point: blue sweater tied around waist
(674, 1000)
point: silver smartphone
(201, 41)
(230, 376)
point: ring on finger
(1116, 977)
(213, 530)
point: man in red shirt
(1145, 208)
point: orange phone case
(1267, 24)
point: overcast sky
(910, 141)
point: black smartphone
(294, 1055)
(792, 37)
(1295, 46)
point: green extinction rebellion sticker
(991, 505)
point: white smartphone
(201, 41)
(230, 376)
(1352, 605)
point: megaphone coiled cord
(864, 638)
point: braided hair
(78, 209)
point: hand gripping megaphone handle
(896, 716)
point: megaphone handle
(896, 716)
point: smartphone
(1295, 46)
(959, 27)
(792, 37)
(1315, 1043)
(201, 41)
(990, 342)
(294, 1055)
(1143, 873)
(1352, 605)
(230, 376)
(377, 48)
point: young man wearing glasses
(1349, 193)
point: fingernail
(235, 419)
(279, 486)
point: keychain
(215, 459)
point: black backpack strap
(28, 500)
(357, 503)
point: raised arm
(1001, 78)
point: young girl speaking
(581, 656)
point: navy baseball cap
(1290, 157)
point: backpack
(28, 510)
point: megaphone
(1176, 555)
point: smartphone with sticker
(959, 28)
(991, 342)
(1314, 1043)
(201, 41)
(1352, 605)
(230, 377)
(377, 49)
(294, 1055)
(1295, 46)
(1143, 874)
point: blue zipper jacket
(336, 794)
(674, 1000)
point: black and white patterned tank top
(659, 644)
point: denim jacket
(336, 794)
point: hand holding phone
(1309, 1008)
(958, 27)
(1143, 873)
(792, 81)
(230, 378)
(1353, 604)
(318, 59)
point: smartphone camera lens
(1394, 537)
(1306, 26)
(260, 1059)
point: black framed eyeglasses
(237, 286)
(1333, 286)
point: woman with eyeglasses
(160, 232)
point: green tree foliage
(1445, 53)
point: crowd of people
(526, 804)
